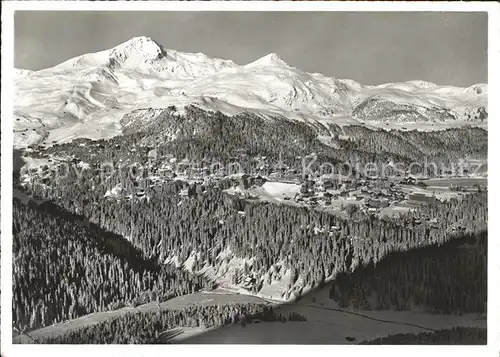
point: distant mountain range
(87, 96)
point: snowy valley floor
(326, 322)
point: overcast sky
(372, 48)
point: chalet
(420, 199)
(421, 184)
(250, 197)
(259, 181)
(305, 189)
(343, 194)
(168, 174)
(153, 154)
(185, 163)
(434, 223)
(456, 229)
(328, 184)
(476, 188)
(377, 204)
(319, 187)
(282, 168)
(245, 181)
(408, 181)
(457, 188)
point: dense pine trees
(418, 145)
(63, 269)
(447, 279)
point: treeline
(64, 268)
(451, 278)
(201, 135)
(454, 336)
(418, 145)
(147, 327)
(381, 109)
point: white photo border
(493, 319)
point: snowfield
(279, 190)
(330, 327)
(327, 324)
(269, 191)
(87, 96)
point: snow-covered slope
(142, 54)
(87, 96)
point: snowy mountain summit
(88, 95)
(271, 59)
(143, 54)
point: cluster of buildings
(369, 194)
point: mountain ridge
(89, 94)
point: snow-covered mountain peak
(139, 48)
(92, 92)
(145, 55)
(271, 59)
(140, 42)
